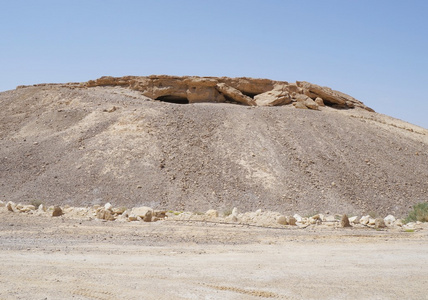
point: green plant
(419, 213)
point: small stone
(399, 223)
(379, 223)
(297, 217)
(108, 206)
(104, 214)
(132, 217)
(57, 211)
(291, 221)
(319, 101)
(11, 206)
(364, 220)
(330, 219)
(41, 208)
(2, 204)
(160, 214)
(282, 220)
(144, 212)
(372, 221)
(389, 220)
(235, 212)
(344, 222)
(354, 220)
(212, 213)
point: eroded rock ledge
(242, 90)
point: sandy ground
(59, 258)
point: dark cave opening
(173, 99)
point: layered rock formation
(247, 91)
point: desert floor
(60, 258)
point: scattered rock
(297, 217)
(212, 213)
(330, 219)
(57, 211)
(379, 223)
(108, 206)
(282, 220)
(234, 94)
(319, 101)
(235, 212)
(364, 220)
(291, 221)
(105, 214)
(11, 206)
(344, 222)
(389, 220)
(278, 96)
(354, 220)
(144, 212)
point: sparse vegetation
(419, 213)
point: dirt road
(59, 258)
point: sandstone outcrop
(242, 90)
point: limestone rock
(333, 97)
(212, 213)
(300, 105)
(159, 214)
(57, 211)
(379, 223)
(364, 220)
(105, 214)
(389, 220)
(330, 219)
(311, 104)
(108, 206)
(282, 220)
(234, 94)
(41, 208)
(319, 101)
(144, 212)
(278, 96)
(11, 206)
(132, 217)
(344, 222)
(399, 223)
(235, 212)
(354, 220)
(297, 217)
(291, 221)
(372, 221)
(118, 210)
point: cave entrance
(173, 99)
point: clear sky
(374, 50)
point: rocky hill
(194, 143)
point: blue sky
(374, 50)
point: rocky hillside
(183, 143)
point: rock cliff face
(128, 141)
(247, 91)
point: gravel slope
(85, 146)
